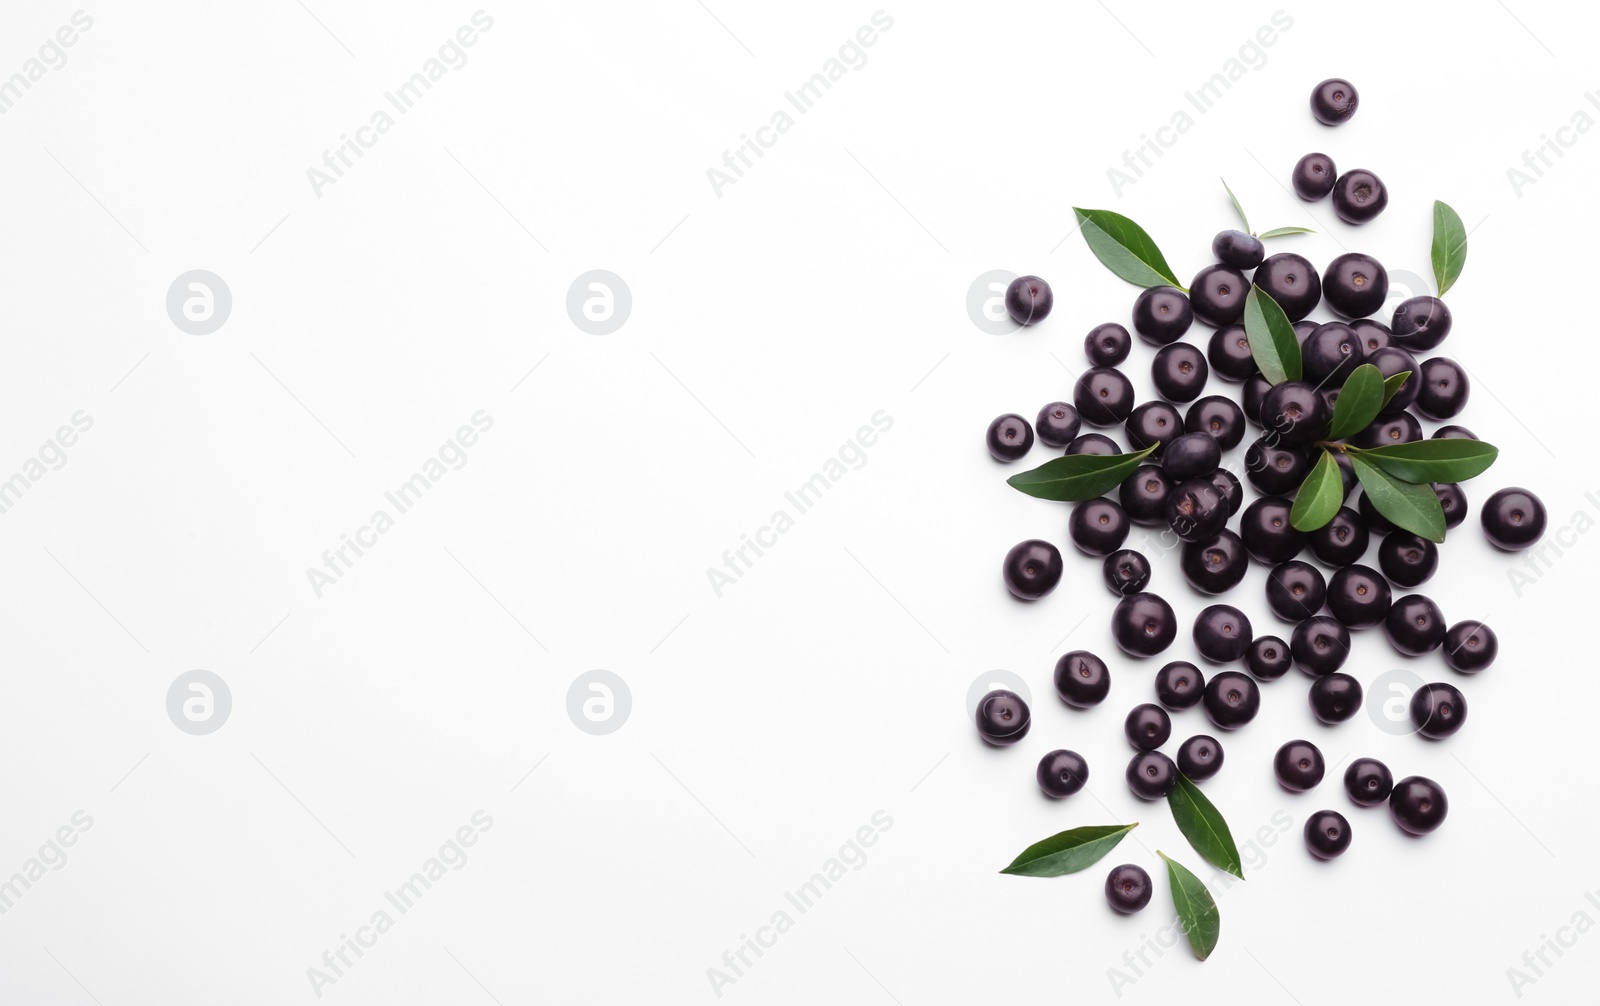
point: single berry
(1195, 511)
(1290, 280)
(1293, 414)
(1329, 355)
(1151, 775)
(1268, 658)
(1407, 559)
(1295, 590)
(1415, 625)
(1355, 285)
(1327, 834)
(1418, 805)
(1320, 644)
(1179, 685)
(1444, 388)
(1082, 679)
(1032, 569)
(1313, 177)
(1179, 372)
(1389, 430)
(1421, 323)
(1217, 295)
(1513, 519)
(1438, 710)
(1275, 468)
(1298, 766)
(1368, 782)
(1227, 484)
(1009, 437)
(1162, 314)
(1359, 196)
(1147, 727)
(1333, 101)
(1469, 647)
(1454, 433)
(1238, 249)
(1229, 353)
(1153, 423)
(1107, 345)
(1062, 773)
(1267, 532)
(1128, 888)
(1343, 540)
(1374, 335)
(1222, 633)
(1359, 597)
(1191, 456)
(1126, 572)
(1002, 718)
(1144, 495)
(1200, 757)
(1231, 700)
(1093, 443)
(1453, 501)
(1103, 396)
(1028, 300)
(1334, 698)
(1219, 417)
(1215, 566)
(1143, 625)
(1057, 424)
(1098, 526)
(1391, 361)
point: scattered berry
(1143, 625)
(1162, 314)
(1229, 353)
(1320, 644)
(1452, 501)
(1469, 647)
(1179, 372)
(1421, 323)
(1200, 757)
(1082, 679)
(1217, 295)
(1215, 566)
(1231, 700)
(1222, 633)
(1298, 766)
(1144, 495)
(1330, 353)
(1032, 569)
(1098, 526)
(1415, 625)
(1327, 834)
(1334, 697)
(1009, 437)
(1179, 685)
(1002, 717)
(1368, 782)
(1147, 727)
(1062, 773)
(1238, 249)
(1313, 178)
(1028, 300)
(1293, 414)
(1196, 511)
(1408, 560)
(1103, 396)
(1057, 424)
(1333, 101)
(1268, 658)
(1359, 597)
(1418, 805)
(1343, 540)
(1290, 280)
(1438, 710)
(1126, 572)
(1513, 519)
(1153, 423)
(1359, 196)
(1128, 888)
(1274, 468)
(1295, 590)
(1355, 285)
(1444, 389)
(1219, 417)
(1151, 775)
(1267, 533)
(1107, 345)
(1093, 443)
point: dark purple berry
(1295, 590)
(1268, 658)
(1062, 773)
(1028, 300)
(1513, 519)
(1215, 566)
(1329, 355)
(1368, 782)
(1191, 456)
(1444, 389)
(1333, 101)
(1147, 726)
(1219, 417)
(1469, 647)
(1418, 805)
(1009, 437)
(1151, 775)
(1144, 495)
(1082, 679)
(1415, 625)
(1179, 372)
(1032, 569)
(1298, 765)
(1107, 345)
(1407, 559)
(1334, 698)
(1153, 423)
(1200, 757)
(1438, 710)
(1355, 285)
(1341, 541)
(1267, 532)
(1421, 323)
(1275, 468)
(1098, 526)
(1313, 178)
(1293, 414)
(1222, 633)
(1454, 433)
(1229, 353)
(1453, 501)
(1359, 196)
(1359, 597)
(1179, 685)
(1162, 314)
(1290, 280)
(1002, 718)
(1320, 644)
(1093, 443)
(1390, 361)
(1374, 335)
(1231, 700)
(1057, 424)
(1128, 888)
(1388, 430)
(1238, 249)
(1143, 625)
(1217, 295)
(1327, 834)
(1103, 396)
(1126, 572)
(1255, 391)
(1195, 511)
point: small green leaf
(1202, 824)
(1434, 460)
(1124, 248)
(1272, 340)
(1359, 402)
(1391, 386)
(1197, 912)
(1236, 207)
(1407, 505)
(1320, 496)
(1449, 246)
(1283, 232)
(1078, 477)
(1069, 851)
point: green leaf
(1407, 505)
(1360, 400)
(1197, 912)
(1078, 476)
(1449, 246)
(1124, 248)
(1272, 340)
(1283, 232)
(1320, 496)
(1202, 824)
(1391, 386)
(1434, 460)
(1069, 851)
(1236, 207)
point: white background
(768, 323)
